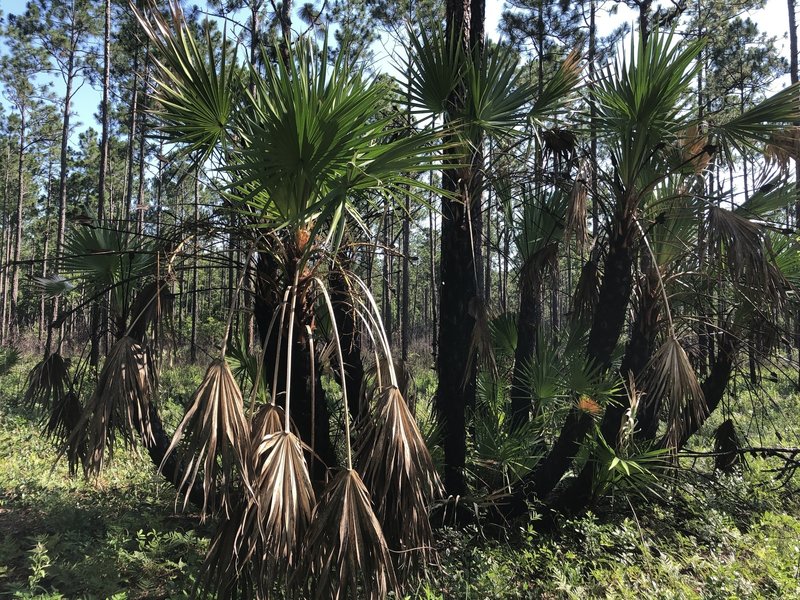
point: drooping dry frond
(48, 383)
(576, 221)
(225, 573)
(670, 378)
(587, 292)
(267, 421)
(217, 437)
(559, 143)
(480, 343)
(694, 150)
(119, 406)
(783, 147)
(255, 548)
(65, 414)
(741, 243)
(279, 512)
(398, 469)
(377, 379)
(152, 303)
(345, 554)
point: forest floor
(711, 536)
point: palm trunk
(607, 324)
(309, 406)
(349, 337)
(529, 321)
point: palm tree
(657, 151)
(298, 151)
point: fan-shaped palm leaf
(217, 435)
(197, 88)
(119, 406)
(398, 469)
(345, 554)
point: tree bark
(460, 268)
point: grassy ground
(119, 537)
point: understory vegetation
(711, 536)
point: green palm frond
(503, 330)
(311, 141)
(753, 129)
(496, 92)
(642, 101)
(196, 87)
(435, 70)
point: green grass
(725, 537)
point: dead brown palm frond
(480, 343)
(225, 573)
(559, 143)
(576, 221)
(587, 291)
(267, 420)
(377, 378)
(65, 414)
(344, 553)
(278, 513)
(741, 243)
(398, 469)
(119, 406)
(48, 383)
(670, 379)
(152, 303)
(217, 438)
(694, 149)
(783, 147)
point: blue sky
(772, 19)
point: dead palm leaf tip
(257, 545)
(118, 407)
(47, 383)
(670, 379)
(398, 468)
(345, 554)
(283, 500)
(215, 436)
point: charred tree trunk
(529, 321)
(460, 268)
(350, 339)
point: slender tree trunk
(140, 202)
(45, 252)
(132, 128)
(15, 316)
(99, 317)
(460, 270)
(6, 249)
(195, 217)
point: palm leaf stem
(339, 355)
(290, 338)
